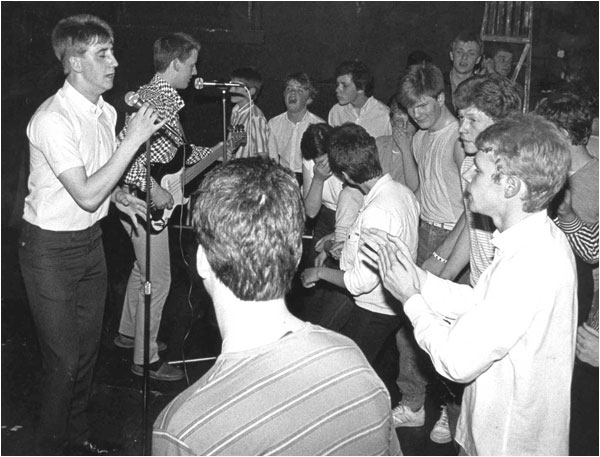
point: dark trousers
(583, 439)
(370, 330)
(66, 280)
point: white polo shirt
(67, 131)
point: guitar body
(174, 176)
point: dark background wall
(275, 37)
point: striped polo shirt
(310, 393)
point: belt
(442, 225)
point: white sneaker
(406, 417)
(441, 431)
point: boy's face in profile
(239, 95)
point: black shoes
(159, 370)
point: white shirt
(285, 137)
(374, 116)
(331, 187)
(67, 131)
(512, 337)
(440, 191)
(388, 206)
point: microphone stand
(147, 437)
(224, 99)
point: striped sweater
(310, 393)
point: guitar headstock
(237, 136)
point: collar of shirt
(519, 234)
(162, 96)
(236, 109)
(376, 189)
(358, 112)
(304, 118)
(80, 102)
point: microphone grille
(198, 83)
(131, 98)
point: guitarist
(175, 58)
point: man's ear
(202, 264)
(512, 186)
(451, 56)
(478, 60)
(75, 64)
(347, 178)
(252, 91)
(441, 98)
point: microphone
(135, 101)
(199, 83)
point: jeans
(66, 282)
(132, 316)
(413, 368)
(413, 377)
(430, 238)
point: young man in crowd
(438, 153)
(288, 127)
(246, 114)
(572, 115)
(356, 104)
(175, 58)
(387, 203)
(465, 53)
(75, 165)
(400, 165)
(500, 59)
(481, 101)
(512, 337)
(275, 371)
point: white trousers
(132, 317)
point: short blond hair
(73, 35)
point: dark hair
(251, 77)
(353, 151)
(468, 36)
(417, 57)
(494, 48)
(360, 73)
(493, 94)
(570, 112)
(171, 47)
(304, 81)
(420, 80)
(532, 149)
(74, 34)
(249, 218)
(314, 140)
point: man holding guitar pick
(175, 58)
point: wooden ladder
(511, 22)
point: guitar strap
(188, 219)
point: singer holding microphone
(175, 58)
(75, 165)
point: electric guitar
(175, 179)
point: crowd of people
(446, 221)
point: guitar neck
(192, 171)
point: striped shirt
(310, 393)
(480, 229)
(583, 238)
(257, 131)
